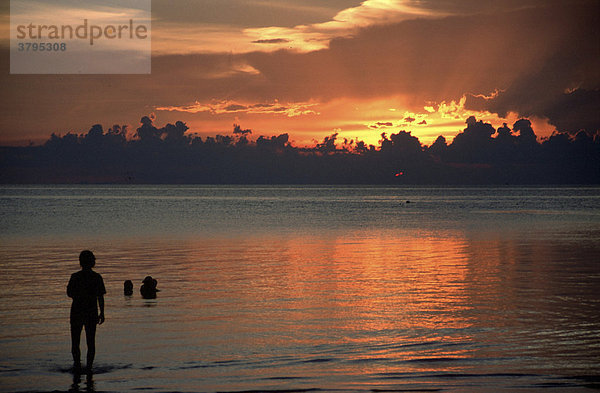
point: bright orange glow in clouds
(309, 122)
(311, 68)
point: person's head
(128, 287)
(147, 280)
(87, 260)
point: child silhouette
(86, 288)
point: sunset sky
(313, 67)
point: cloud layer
(480, 154)
(537, 60)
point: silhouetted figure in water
(128, 288)
(86, 287)
(148, 289)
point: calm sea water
(300, 288)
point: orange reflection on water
(363, 272)
(382, 301)
(415, 280)
(390, 292)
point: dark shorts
(87, 320)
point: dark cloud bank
(478, 155)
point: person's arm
(101, 304)
(70, 287)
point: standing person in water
(86, 288)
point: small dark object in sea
(128, 288)
(148, 289)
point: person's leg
(90, 338)
(76, 327)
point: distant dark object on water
(128, 288)
(408, 202)
(148, 289)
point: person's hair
(87, 259)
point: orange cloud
(221, 107)
(177, 38)
(351, 118)
(307, 38)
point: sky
(312, 68)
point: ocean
(298, 288)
